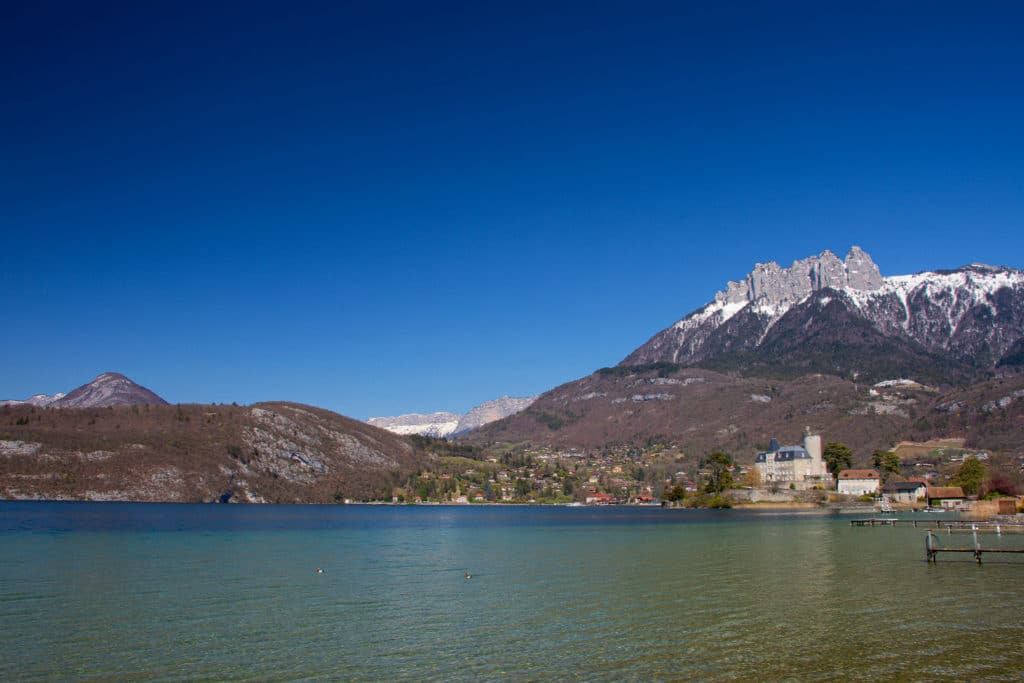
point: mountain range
(453, 424)
(842, 317)
(826, 343)
(108, 389)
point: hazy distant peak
(451, 424)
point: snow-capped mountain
(39, 400)
(452, 424)
(844, 313)
(433, 424)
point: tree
(971, 475)
(719, 474)
(751, 478)
(676, 494)
(837, 456)
(886, 462)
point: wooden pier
(932, 548)
(950, 526)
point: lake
(109, 591)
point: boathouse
(945, 496)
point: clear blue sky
(382, 208)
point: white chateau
(801, 466)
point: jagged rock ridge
(970, 317)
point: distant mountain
(452, 424)
(109, 389)
(842, 317)
(434, 424)
(490, 411)
(267, 452)
(39, 400)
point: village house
(601, 498)
(906, 492)
(945, 496)
(859, 482)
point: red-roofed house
(945, 496)
(859, 482)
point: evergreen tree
(837, 457)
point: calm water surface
(94, 591)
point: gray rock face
(861, 271)
(491, 411)
(772, 284)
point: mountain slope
(957, 323)
(268, 452)
(702, 410)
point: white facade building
(860, 482)
(802, 466)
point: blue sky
(397, 208)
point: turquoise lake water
(95, 591)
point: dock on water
(932, 548)
(948, 526)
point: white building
(801, 466)
(860, 482)
(907, 492)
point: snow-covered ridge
(977, 309)
(979, 281)
(452, 424)
(433, 424)
(39, 400)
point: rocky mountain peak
(109, 389)
(968, 319)
(769, 283)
